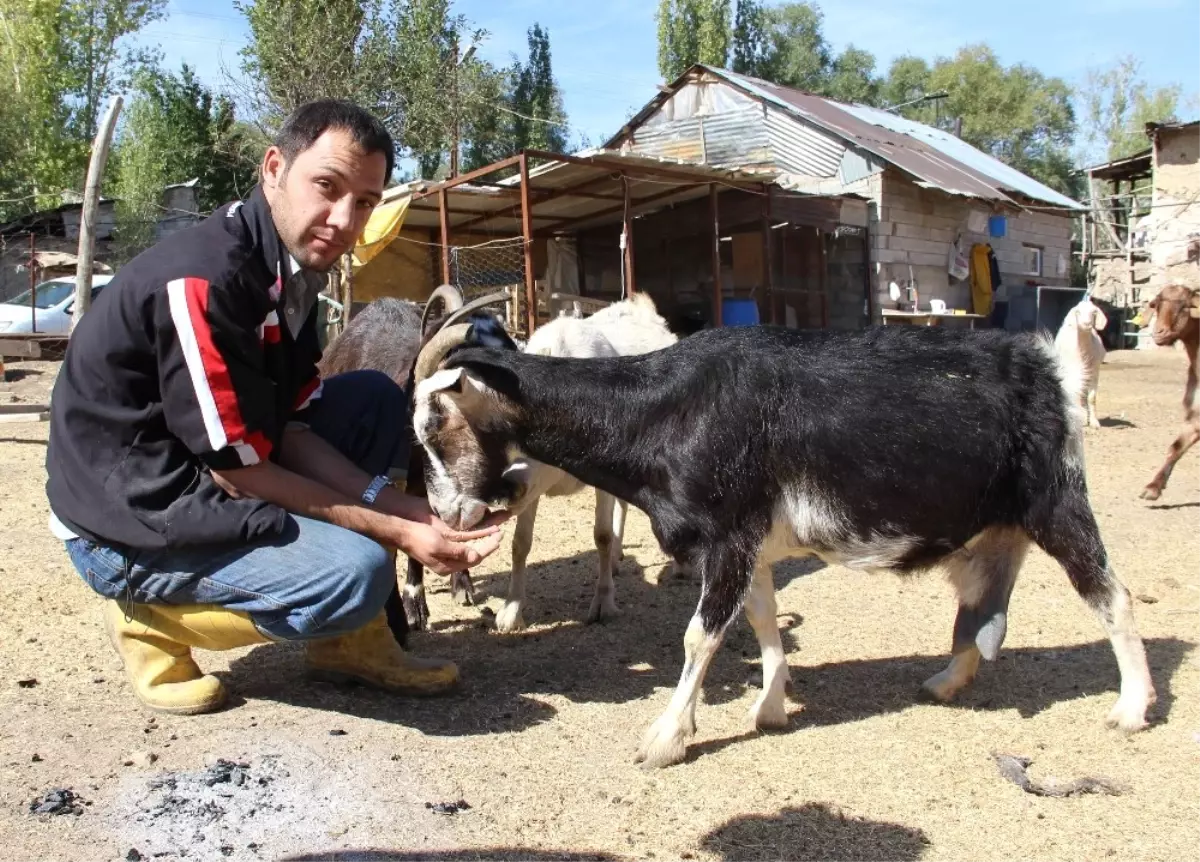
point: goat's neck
(594, 424)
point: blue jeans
(313, 580)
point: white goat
(1081, 352)
(622, 329)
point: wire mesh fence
(489, 267)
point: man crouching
(205, 480)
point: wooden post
(627, 228)
(348, 297)
(714, 214)
(87, 217)
(527, 235)
(32, 282)
(444, 216)
(768, 287)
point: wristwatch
(377, 485)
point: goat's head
(465, 413)
(1087, 318)
(1172, 313)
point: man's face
(321, 201)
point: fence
(489, 267)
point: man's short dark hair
(312, 119)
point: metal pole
(444, 217)
(87, 217)
(32, 282)
(716, 253)
(768, 287)
(527, 235)
(627, 228)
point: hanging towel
(981, 278)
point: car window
(49, 294)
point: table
(926, 318)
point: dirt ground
(540, 738)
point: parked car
(55, 305)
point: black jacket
(180, 366)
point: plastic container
(739, 312)
(997, 225)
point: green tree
(538, 118)
(692, 31)
(852, 78)
(62, 60)
(175, 130)
(1117, 103)
(796, 53)
(749, 39)
(1015, 113)
(906, 82)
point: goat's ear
(487, 331)
(1100, 321)
(447, 380)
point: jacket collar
(255, 212)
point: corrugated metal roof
(933, 158)
(801, 149)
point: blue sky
(604, 52)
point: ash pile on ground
(239, 810)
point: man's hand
(445, 551)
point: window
(1033, 259)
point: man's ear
(273, 167)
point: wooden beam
(627, 231)
(607, 212)
(626, 167)
(444, 216)
(715, 215)
(527, 236)
(467, 177)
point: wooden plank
(29, 416)
(627, 227)
(23, 408)
(445, 224)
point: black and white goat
(892, 449)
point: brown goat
(1177, 318)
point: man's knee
(369, 576)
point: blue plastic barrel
(997, 225)
(739, 312)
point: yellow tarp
(381, 229)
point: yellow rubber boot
(155, 643)
(371, 656)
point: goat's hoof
(664, 745)
(601, 610)
(416, 609)
(769, 713)
(509, 619)
(1129, 713)
(1151, 492)
(940, 688)
(462, 591)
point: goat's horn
(474, 305)
(435, 351)
(447, 296)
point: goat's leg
(983, 576)
(1068, 533)
(604, 601)
(1092, 420)
(620, 513)
(415, 606)
(510, 618)
(1185, 441)
(1188, 438)
(727, 574)
(462, 591)
(769, 710)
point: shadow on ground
(809, 832)
(506, 679)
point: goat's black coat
(921, 436)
